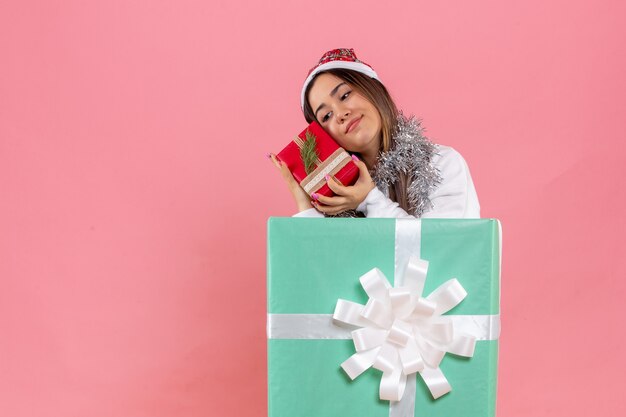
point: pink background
(135, 191)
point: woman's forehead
(322, 87)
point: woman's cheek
(341, 142)
(338, 136)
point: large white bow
(402, 332)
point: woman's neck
(370, 159)
(370, 155)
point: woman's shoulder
(448, 157)
(447, 151)
(455, 196)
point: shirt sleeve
(308, 213)
(456, 196)
(376, 204)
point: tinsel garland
(411, 153)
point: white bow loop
(401, 332)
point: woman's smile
(353, 124)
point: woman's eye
(345, 96)
(326, 117)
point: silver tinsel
(411, 153)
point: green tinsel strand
(309, 153)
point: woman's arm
(456, 196)
(300, 197)
(376, 204)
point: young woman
(402, 174)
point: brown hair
(376, 93)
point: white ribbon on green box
(398, 331)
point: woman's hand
(302, 199)
(348, 197)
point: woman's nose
(342, 115)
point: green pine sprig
(309, 153)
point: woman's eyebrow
(332, 93)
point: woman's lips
(353, 124)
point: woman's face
(345, 114)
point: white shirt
(455, 197)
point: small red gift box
(330, 160)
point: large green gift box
(314, 262)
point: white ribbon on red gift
(402, 333)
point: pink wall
(135, 189)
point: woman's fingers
(329, 201)
(282, 167)
(302, 199)
(346, 197)
(329, 209)
(335, 187)
(274, 160)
